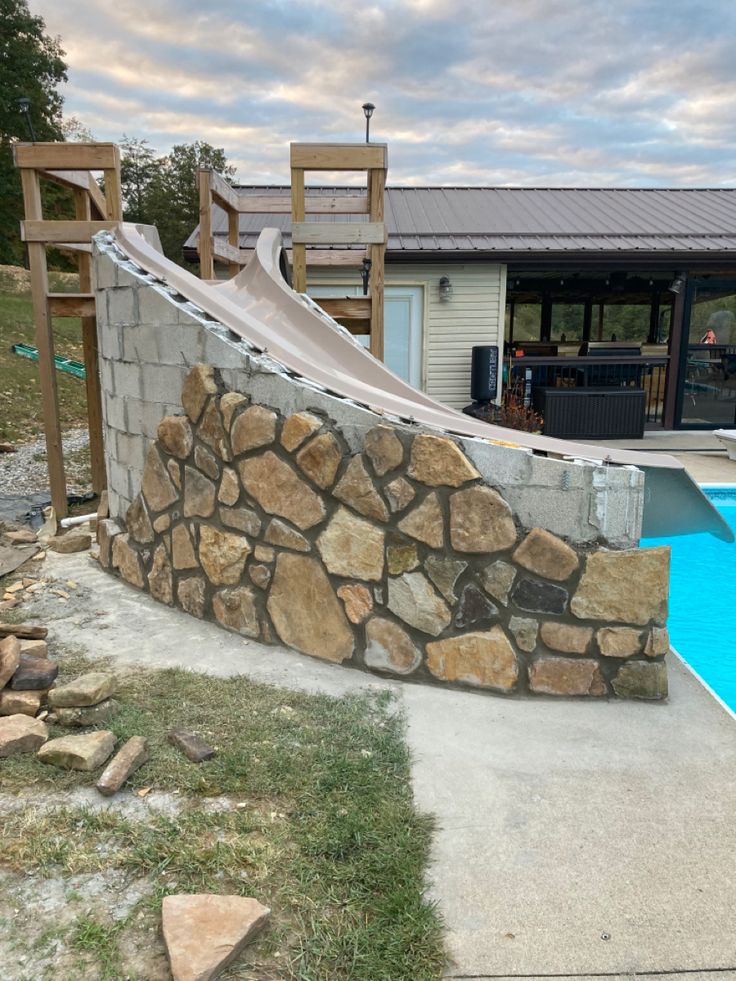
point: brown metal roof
(532, 220)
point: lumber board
(339, 156)
(233, 236)
(72, 304)
(352, 258)
(51, 232)
(299, 253)
(79, 180)
(338, 233)
(45, 345)
(98, 470)
(226, 252)
(67, 156)
(314, 204)
(221, 191)
(376, 193)
(204, 245)
(346, 307)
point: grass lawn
(20, 392)
(320, 825)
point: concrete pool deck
(700, 451)
(574, 839)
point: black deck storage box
(591, 413)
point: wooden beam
(339, 156)
(226, 253)
(357, 327)
(337, 233)
(299, 253)
(113, 189)
(351, 258)
(67, 156)
(45, 344)
(79, 180)
(37, 230)
(314, 204)
(233, 235)
(376, 192)
(204, 245)
(72, 304)
(346, 307)
(98, 471)
(221, 191)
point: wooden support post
(82, 209)
(376, 189)
(45, 344)
(206, 258)
(233, 237)
(299, 267)
(113, 190)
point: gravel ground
(25, 472)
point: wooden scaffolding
(70, 165)
(315, 243)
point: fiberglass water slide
(259, 306)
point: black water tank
(484, 373)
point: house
(645, 278)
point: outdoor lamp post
(368, 108)
(24, 104)
(364, 274)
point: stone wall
(244, 495)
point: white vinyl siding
(473, 315)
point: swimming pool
(702, 621)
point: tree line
(158, 189)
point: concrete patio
(574, 839)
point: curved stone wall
(385, 549)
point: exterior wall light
(365, 274)
(445, 289)
(24, 104)
(677, 285)
(368, 109)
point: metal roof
(531, 219)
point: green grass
(22, 419)
(321, 827)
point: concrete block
(162, 383)
(155, 307)
(151, 415)
(220, 351)
(109, 341)
(133, 415)
(182, 344)
(113, 502)
(139, 343)
(122, 306)
(130, 451)
(106, 376)
(127, 379)
(113, 411)
(118, 477)
(105, 272)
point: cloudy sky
(531, 92)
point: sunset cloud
(538, 92)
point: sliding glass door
(708, 365)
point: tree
(138, 168)
(172, 200)
(32, 67)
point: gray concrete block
(155, 307)
(220, 351)
(118, 478)
(108, 338)
(162, 383)
(122, 305)
(113, 411)
(151, 415)
(127, 378)
(113, 501)
(182, 344)
(106, 376)
(139, 343)
(133, 415)
(105, 272)
(130, 451)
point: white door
(402, 327)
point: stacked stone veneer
(399, 558)
(248, 495)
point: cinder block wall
(546, 606)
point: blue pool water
(702, 621)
